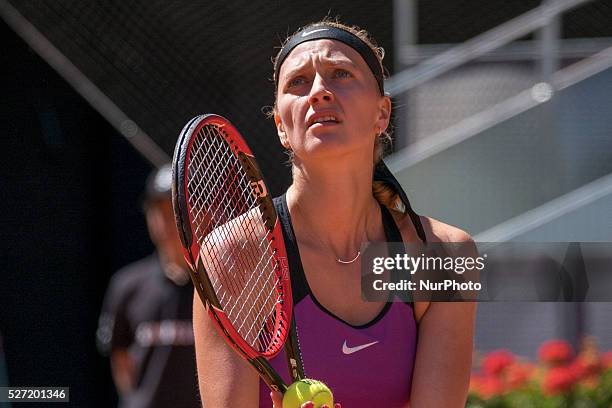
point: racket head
(232, 237)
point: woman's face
(328, 102)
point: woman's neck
(333, 208)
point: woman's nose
(319, 92)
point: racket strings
(232, 214)
(208, 173)
(234, 211)
(229, 227)
(206, 203)
(218, 211)
(260, 297)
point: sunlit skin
(333, 161)
(328, 77)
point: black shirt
(151, 316)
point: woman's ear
(384, 115)
(280, 130)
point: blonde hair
(383, 192)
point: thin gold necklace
(342, 261)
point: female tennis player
(331, 114)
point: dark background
(70, 216)
(70, 184)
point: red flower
(586, 366)
(496, 362)
(559, 380)
(555, 352)
(606, 360)
(486, 386)
(517, 375)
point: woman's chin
(329, 148)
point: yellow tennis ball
(308, 390)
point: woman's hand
(277, 402)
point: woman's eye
(297, 81)
(342, 73)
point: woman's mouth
(323, 120)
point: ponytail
(387, 196)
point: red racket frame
(191, 248)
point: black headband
(323, 31)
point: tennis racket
(233, 242)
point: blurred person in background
(146, 320)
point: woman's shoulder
(435, 231)
(438, 231)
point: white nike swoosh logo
(305, 33)
(350, 350)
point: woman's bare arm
(225, 378)
(444, 356)
(446, 331)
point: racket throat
(294, 355)
(270, 377)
